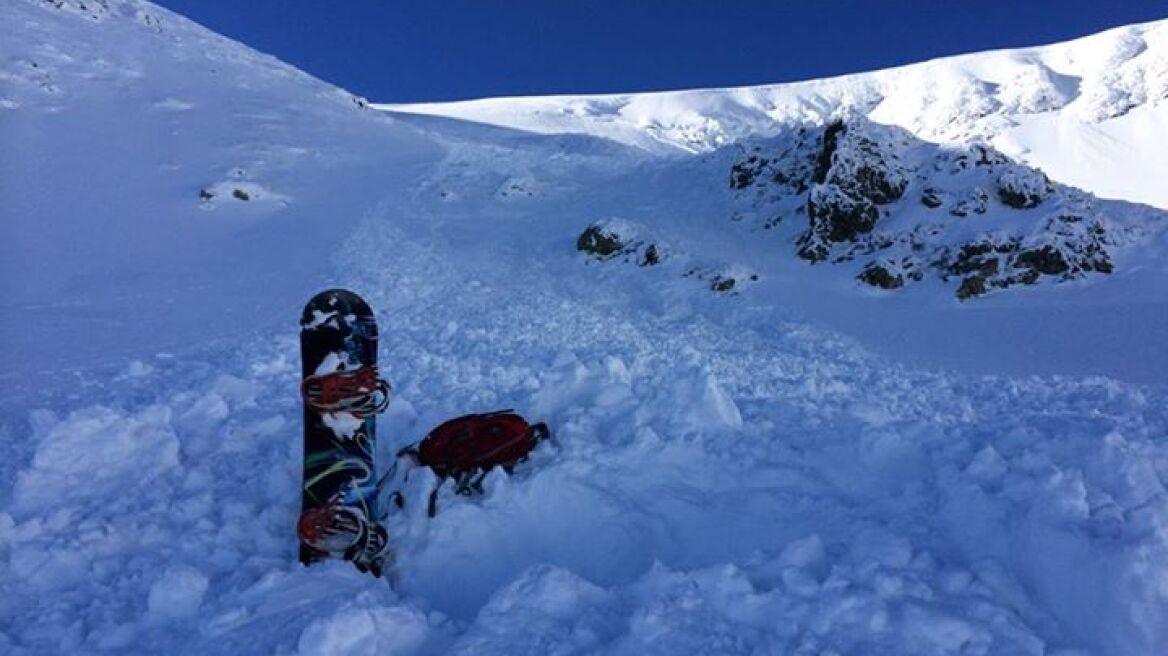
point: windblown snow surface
(802, 465)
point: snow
(177, 594)
(101, 447)
(800, 466)
(1090, 112)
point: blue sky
(390, 51)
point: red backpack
(468, 447)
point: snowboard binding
(359, 392)
(342, 532)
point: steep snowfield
(798, 464)
(128, 132)
(1091, 112)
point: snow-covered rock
(876, 195)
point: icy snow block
(365, 627)
(177, 594)
(97, 453)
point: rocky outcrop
(857, 172)
(599, 242)
(616, 239)
(1023, 188)
(1068, 247)
(976, 218)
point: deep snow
(804, 467)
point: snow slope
(799, 465)
(1091, 112)
(126, 142)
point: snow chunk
(702, 404)
(363, 628)
(173, 104)
(987, 466)
(177, 594)
(803, 565)
(97, 452)
(545, 610)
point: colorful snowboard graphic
(342, 393)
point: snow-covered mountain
(759, 448)
(1092, 113)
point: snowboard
(342, 393)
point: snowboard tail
(342, 394)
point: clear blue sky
(397, 51)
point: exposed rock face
(975, 201)
(651, 256)
(616, 239)
(599, 242)
(788, 166)
(857, 171)
(932, 198)
(1023, 188)
(1003, 223)
(1067, 248)
(620, 241)
(879, 276)
(722, 284)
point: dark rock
(874, 183)
(1046, 260)
(1028, 277)
(841, 218)
(742, 176)
(878, 276)
(651, 256)
(970, 287)
(241, 194)
(830, 140)
(205, 195)
(988, 157)
(721, 284)
(976, 201)
(812, 249)
(857, 171)
(1023, 188)
(596, 241)
(972, 259)
(932, 198)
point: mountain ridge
(1052, 106)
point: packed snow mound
(1087, 111)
